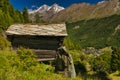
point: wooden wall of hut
(36, 42)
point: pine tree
(37, 18)
(1, 4)
(115, 59)
(6, 14)
(1, 19)
(8, 20)
(25, 16)
(18, 18)
(11, 11)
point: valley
(93, 41)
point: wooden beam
(47, 59)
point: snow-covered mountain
(56, 8)
(45, 12)
(45, 8)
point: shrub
(101, 63)
(80, 68)
(70, 45)
(4, 43)
(23, 66)
(27, 58)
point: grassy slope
(114, 76)
(11, 69)
(95, 32)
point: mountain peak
(55, 4)
(56, 8)
(44, 5)
(45, 8)
(42, 8)
(45, 11)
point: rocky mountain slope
(75, 12)
(87, 11)
(45, 12)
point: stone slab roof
(37, 30)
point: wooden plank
(44, 46)
(34, 42)
(46, 59)
(45, 54)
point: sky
(31, 4)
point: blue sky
(20, 4)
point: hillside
(96, 32)
(87, 11)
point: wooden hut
(44, 40)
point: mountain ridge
(45, 7)
(78, 12)
(45, 11)
(87, 11)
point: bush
(70, 45)
(4, 43)
(27, 58)
(101, 63)
(23, 66)
(102, 75)
(80, 68)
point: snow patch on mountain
(45, 8)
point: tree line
(8, 15)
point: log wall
(44, 46)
